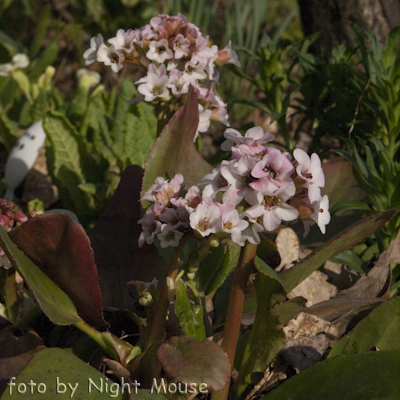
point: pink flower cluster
(175, 55)
(11, 216)
(258, 189)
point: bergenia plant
(174, 54)
(255, 191)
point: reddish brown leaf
(115, 243)
(61, 249)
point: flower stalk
(235, 309)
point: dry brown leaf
(304, 324)
(288, 246)
(314, 288)
(378, 280)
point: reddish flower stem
(160, 313)
(235, 309)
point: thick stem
(235, 309)
(160, 313)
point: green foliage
(356, 377)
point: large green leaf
(57, 374)
(380, 329)
(174, 151)
(367, 376)
(341, 242)
(51, 299)
(190, 361)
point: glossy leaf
(59, 374)
(364, 376)
(51, 299)
(114, 241)
(190, 361)
(190, 317)
(61, 249)
(174, 151)
(341, 242)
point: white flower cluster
(20, 60)
(175, 55)
(255, 191)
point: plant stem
(235, 309)
(160, 313)
(11, 295)
(116, 348)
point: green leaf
(120, 119)
(352, 260)
(48, 57)
(57, 373)
(379, 329)
(267, 337)
(7, 131)
(350, 205)
(341, 242)
(10, 44)
(140, 134)
(190, 361)
(41, 27)
(174, 151)
(228, 264)
(367, 376)
(190, 317)
(51, 299)
(65, 164)
(265, 269)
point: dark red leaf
(61, 249)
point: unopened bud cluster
(255, 191)
(11, 216)
(175, 55)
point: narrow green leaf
(64, 162)
(350, 205)
(267, 337)
(341, 242)
(190, 317)
(365, 376)
(228, 264)
(265, 269)
(51, 299)
(7, 131)
(352, 260)
(120, 119)
(47, 58)
(42, 24)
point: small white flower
(20, 60)
(169, 236)
(154, 87)
(90, 54)
(195, 71)
(110, 56)
(123, 40)
(205, 220)
(159, 51)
